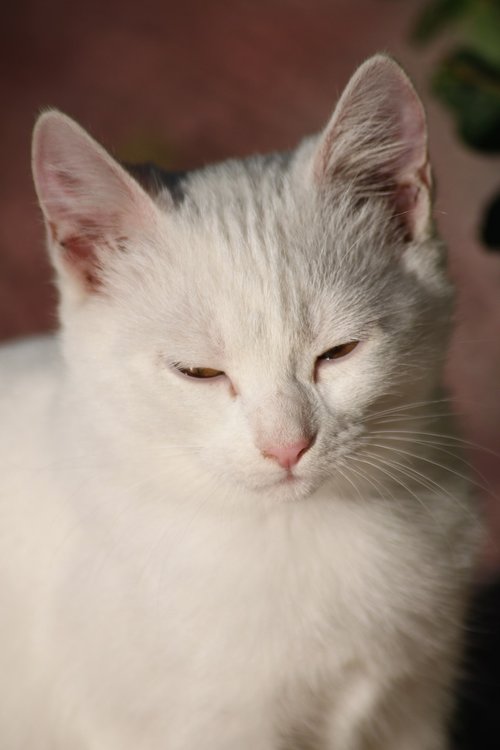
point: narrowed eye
(339, 351)
(199, 372)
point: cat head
(257, 316)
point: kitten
(225, 522)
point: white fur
(163, 587)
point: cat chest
(203, 618)
(275, 599)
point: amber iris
(199, 372)
(339, 351)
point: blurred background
(186, 83)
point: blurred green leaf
(470, 87)
(468, 80)
(436, 16)
(481, 29)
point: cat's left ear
(376, 144)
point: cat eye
(199, 372)
(336, 352)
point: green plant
(467, 80)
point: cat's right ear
(91, 206)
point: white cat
(231, 518)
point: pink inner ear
(411, 201)
(80, 241)
(63, 179)
(79, 254)
(91, 205)
(405, 200)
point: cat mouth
(288, 477)
(288, 483)
(297, 485)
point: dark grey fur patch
(300, 739)
(155, 179)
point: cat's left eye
(336, 352)
(199, 372)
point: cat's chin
(290, 488)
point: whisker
(379, 488)
(423, 479)
(398, 481)
(411, 405)
(437, 445)
(430, 461)
(411, 417)
(452, 438)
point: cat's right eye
(201, 373)
(336, 352)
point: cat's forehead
(256, 257)
(241, 238)
(249, 202)
(254, 218)
(258, 226)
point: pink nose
(288, 455)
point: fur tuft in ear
(376, 142)
(90, 204)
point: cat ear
(91, 206)
(376, 142)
